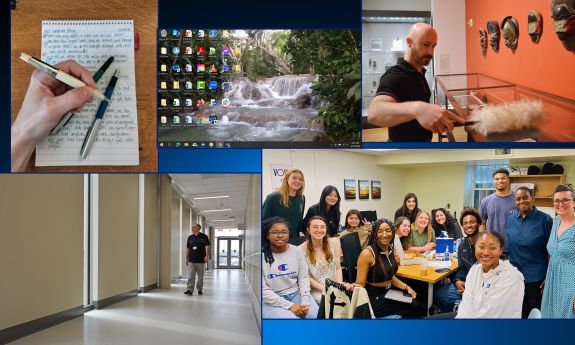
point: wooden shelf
(544, 186)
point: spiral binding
(86, 22)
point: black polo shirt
(406, 84)
(197, 246)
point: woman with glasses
(285, 283)
(527, 235)
(559, 292)
(322, 256)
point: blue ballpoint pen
(93, 131)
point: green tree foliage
(335, 56)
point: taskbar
(256, 144)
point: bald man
(402, 99)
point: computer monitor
(258, 88)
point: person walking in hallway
(197, 254)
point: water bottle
(446, 254)
(456, 246)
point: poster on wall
(375, 189)
(277, 172)
(349, 189)
(363, 186)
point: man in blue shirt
(527, 235)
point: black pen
(93, 130)
(66, 118)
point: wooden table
(26, 37)
(432, 277)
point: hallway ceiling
(235, 186)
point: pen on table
(68, 116)
(61, 76)
(93, 130)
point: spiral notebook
(91, 42)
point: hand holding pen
(68, 116)
(46, 100)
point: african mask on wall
(510, 29)
(483, 39)
(493, 28)
(535, 25)
(563, 13)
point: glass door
(229, 252)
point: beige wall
(252, 244)
(41, 246)
(437, 186)
(175, 236)
(118, 234)
(186, 231)
(165, 230)
(151, 229)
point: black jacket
(332, 222)
(465, 259)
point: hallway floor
(223, 315)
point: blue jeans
(270, 312)
(446, 297)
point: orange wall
(545, 66)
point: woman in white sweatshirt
(285, 282)
(493, 287)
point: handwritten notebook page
(91, 43)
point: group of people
(513, 259)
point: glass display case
(465, 93)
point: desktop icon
(201, 33)
(163, 50)
(225, 33)
(188, 68)
(213, 69)
(188, 102)
(213, 34)
(176, 68)
(163, 32)
(200, 103)
(163, 85)
(188, 33)
(163, 119)
(189, 119)
(226, 102)
(238, 50)
(213, 119)
(200, 120)
(214, 102)
(176, 33)
(176, 50)
(201, 85)
(200, 67)
(225, 50)
(225, 68)
(163, 102)
(176, 119)
(188, 51)
(188, 85)
(201, 50)
(176, 102)
(176, 85)
(226, 85)
(163, 68)
(213, 85)
(211, 144)
(212, 51)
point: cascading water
(271, 109)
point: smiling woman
(493, 288)
(285, 285)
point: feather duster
(507, 117)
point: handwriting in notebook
(91, 43)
